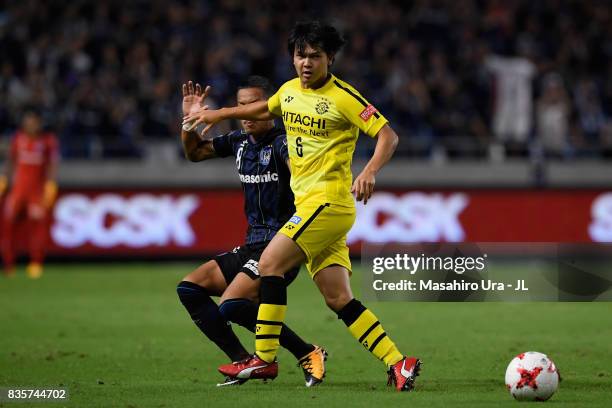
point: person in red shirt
(31, 168)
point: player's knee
(206, 278)
(205, 281)
(186, 291)
(250, 294)
(337, 301)
(190, 277)
(201, 276)
(268, 266)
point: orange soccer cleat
(313, 365)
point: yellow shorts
(320, 231)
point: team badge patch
(322, 106)
(295, 219)
(264, 155)
(367, 113)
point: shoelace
(243, 361)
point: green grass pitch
(115, 335)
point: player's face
(31, 124)
(252, 127)
(311, 65)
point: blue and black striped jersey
(262, 168)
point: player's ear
(331, 58)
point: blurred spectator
(552, 116)
(590, 113)
(107, 74)
(513, 98)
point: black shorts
(246, 259)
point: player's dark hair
(256, 81)
(317, 35)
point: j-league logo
(295, 219)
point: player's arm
(8, 167)
(359, 112)
(4, 177)
(386, 143)
(52, 171)
(195, 148)
(50, 189)
(50, 192)
(253, 111)
(283, 150)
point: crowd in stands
(452, 76)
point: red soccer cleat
(250, 368)
(403, 373)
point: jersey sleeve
(280, 145)
(52, 154)
(224, 145)
(274, 103)
(13, 149)
(358, 111)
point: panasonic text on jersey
(258, 178)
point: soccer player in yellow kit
(322, 116)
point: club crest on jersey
(264, 155)
(295, 219)
(367, 113)
(322, 106)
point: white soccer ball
(532, 376)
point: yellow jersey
(322, 127)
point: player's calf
(367, 329)
(205, 314)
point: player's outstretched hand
(193, 101)
(193, 97)
(363, 186)
(202, 116)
